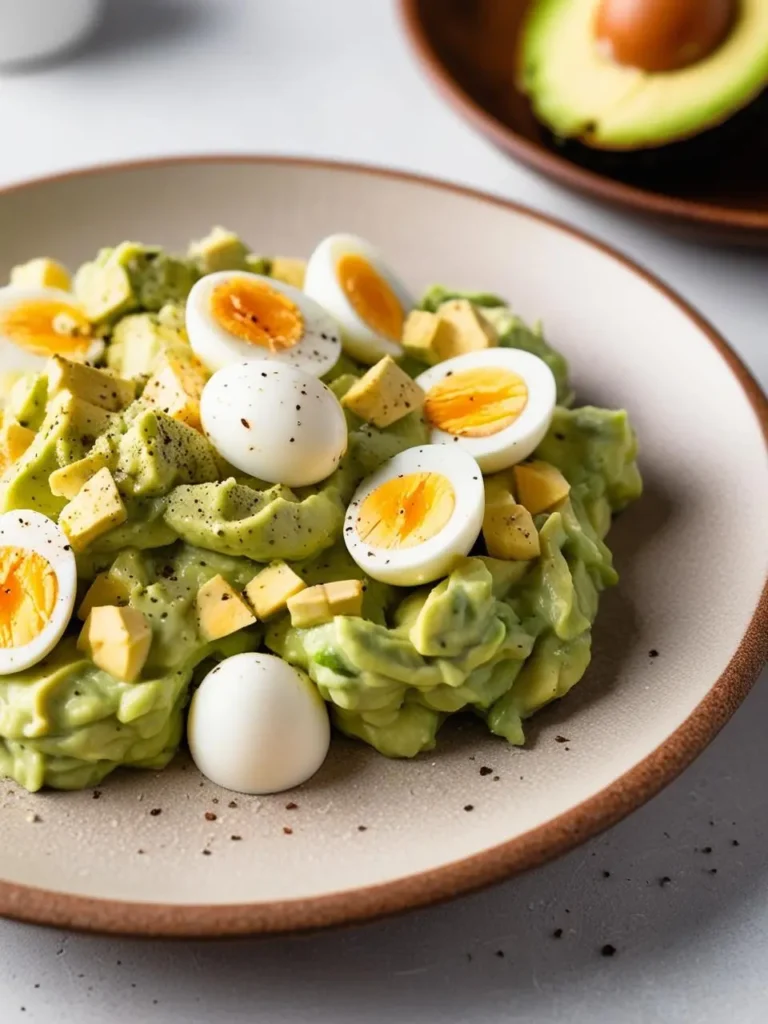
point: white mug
(33, 29)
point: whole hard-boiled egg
(232, 316)
(257, 725)
(414, 517)
(350, 279)
(38, 581)
(274, 422)
(497, 404)
(36, 323)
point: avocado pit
(662, 35)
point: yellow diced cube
(221, 610)
(67, 481)
(14, 441)
(270, 589)
(540, 485)
(509, 531)
(176, 387)
(471, 331)
(425, 336)
(499, 487)
(345, 597)
(95, 509)
(103, 591)
(117, 640)
(289, 270)
(95, 386)
(384, 394)
(85, 419)
(41, 273)
(319, 604)
(219, 250)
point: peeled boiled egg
(233, 316)
(410, 520)
(274, 422)
(350, 279)
(496, 404)
(36, 323)
(38, 581)
(257, 725)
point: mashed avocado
(496, 638)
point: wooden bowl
(468, 47)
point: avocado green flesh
(499, 639)
(578, 92)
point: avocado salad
(242, 497)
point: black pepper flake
(245, 423)
(606, 874)
(210, 816)
(557, 933)
(291, 806)
(288, 831)
(735, 842)
(562, 739)
(236, 839)
(500, 954)
(206, 853)
(362, 828)
(706, 849)
(155, 811)
(665, 880)
(608, 950)
(96, 794)
(232, 803)
(469, 807)
(485, 770)
(653, 653)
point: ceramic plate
(468, 48)
(172, 854)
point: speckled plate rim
(533, 848)
(751, 224)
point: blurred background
(339, 79)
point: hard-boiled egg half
(233, 316)
(496, 404)
(410, 520)
(38, 581)
(274, 422)
(257, 725)
(36, 323)
(350, 279)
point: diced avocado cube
(140, 341)
(69, 480)
(175, 387)
(95, 509)
(270, 589)
(103, 591)
(321, 603)
(471, 331)
(289, 270)
(258, 264)
(221, 610)
(41, 273)
(426, 335)
(345, 597)
(540, 485)
(509, 531)
(14, 441)
(117, 639)
(95, 386)
(219, 250)
(104, 291)
(28, 398)
(384, 394)
(499, 487)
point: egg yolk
(28, 591)
(370, 296)
(406, 511)
(476, 403)
(258, 314)
(47, 328)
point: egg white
(32, 531)
(16, 358)
(316, 352)
(257, 725)
(435, 557)
(274, 422)
(321, 282)
(514, 443)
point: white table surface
(336, 79)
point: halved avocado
(580, 93)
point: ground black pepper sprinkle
(232, 804)
(206, 853)
(665, 880)
(288, 831)
(96, 794)
(155, 811)
(210, 816)
(557, 933)
(469, 807)
(608, 950)
(291, 806)
(500, 953)
(362, 828)
(562, 739)
(653, 653)
(236, 839)
(606, 874)
(485, 770)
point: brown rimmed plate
(369, 836)
(468, 48)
